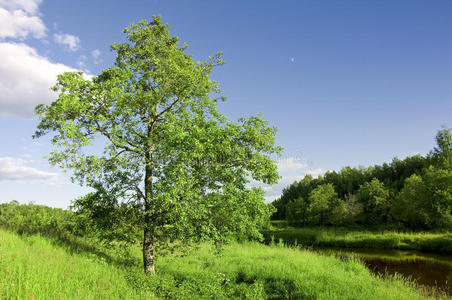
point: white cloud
(274, 191)
(81, 63)
(96, 56)
(95, 53)
(25, 80)
(291, 169)
(19, 24)
(290, 164)
(315, 172)
(29, 6)
(69, 40)
(14, 169)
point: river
(428, 270)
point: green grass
(32, 267)
(37, 267)
(355, 238)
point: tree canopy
(414, 193)
(168, 154)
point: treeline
(118, 225)
(415, 192)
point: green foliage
(323, 199)
(339, 213)
(168, 154)
(438, 186)
(98, 215)
(410, 205)
(297, 212)
(414, 193)
(33, 267)
(321, 207)
(30, 219)
(358, 237)
(292, 192)
(353, 208)
(375, 198)
(442, 153)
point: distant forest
(414, 193)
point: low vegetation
(45, 255)
(361, 238)
(33, 266)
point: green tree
(97, 214)
(375, 199)
(353, 208)
(442, 153)
(411, 204)
(296, 212)
(322, 200)
(167, 150)
(438, 186)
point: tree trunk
(148, 249)
(148, 237)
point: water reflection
(430, 270)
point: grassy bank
(38, 267)
(355, 238)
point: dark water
(428, 270)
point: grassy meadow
(440, 242)
(44, 256)
(38, 267)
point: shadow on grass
(118, 255)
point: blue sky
(346, 82)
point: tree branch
(116, 144)
(169, 107)
(140, 192)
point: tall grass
(32, 266)
(355, 238)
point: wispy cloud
(315, 172)
(96, 56)
(72, 42)
(273, 192)
(82, 63)
(291, 164)
(15, 169)
(291, 169)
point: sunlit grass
(354, 238)
(32, 267)
(42, 268)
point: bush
(31, 218)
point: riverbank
(430, 270)
(33, 266)
(357, 238)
